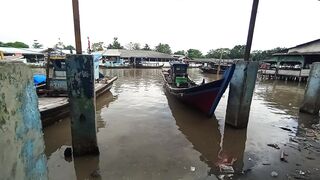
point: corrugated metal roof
(11, 50)
(136, 54)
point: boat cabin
(56, 72)
(179, 74)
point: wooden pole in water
(243, 82)
(76, 21)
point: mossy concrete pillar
(311, 102)
(240, 93)
(80, 81)
(21, 137)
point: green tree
(223, 53)
(70, 47)
(59, 45)
(146, 47)
(163, 48)
(16, 44)
(115, 44)
(258, 55)
(136, 46)
(2, 44)
(97, 46)
(194, 53)
(237, 52)
(181, 52)
(133, 46)
(36, 44)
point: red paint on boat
(202, 101)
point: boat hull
(148, 67)
(53, 109)
(114, 67)
(204, 97)
(201, 97)
(211, 71)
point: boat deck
(46, 103)
(55, 108)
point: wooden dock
(284, 74)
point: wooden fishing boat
(53, 100)
(114, 64)
(148, 65)
(214, 69)
(205, 97)
(55, 108)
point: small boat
(214, 68)
(53, 101)
(114, 64)
(205, 97)
(148, 65)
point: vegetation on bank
(237, 52)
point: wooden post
(21, 136)
(311, 102)
(243, 82)
(81, 91)
(76, 21)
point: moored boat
(53, 103)
(214, 68)
(114, 64)
(148, 65)
(204, 97)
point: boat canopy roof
(179, 67)
(178, 64)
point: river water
(144, 133)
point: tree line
(237, 52)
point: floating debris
(221, 176)
(274, 174)
(95, 173)
(310, 158)
(274, 146)
(286, 129)
(226, 169)
(282, 154)
(192, 168)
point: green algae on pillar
(240, 93)
(80, 81)
(311, 102)
(21, 139)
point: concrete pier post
(80, 81)
(311, 102)
(21, 138)
(240, 93)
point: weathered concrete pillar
(80, 80)
(21, 139)
(311, 102)
(240, 93)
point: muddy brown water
(144, 133)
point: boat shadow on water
(218, 145)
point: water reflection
(283, 96)
(217, 146)
(57, 138)
(103, 102)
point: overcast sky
(183, 24)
